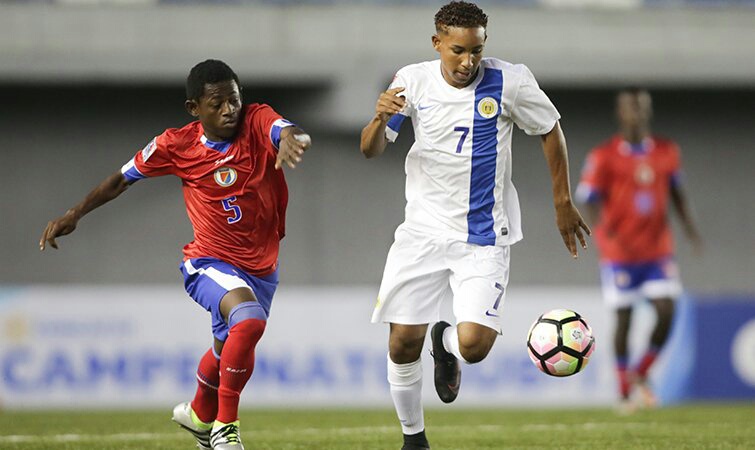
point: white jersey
(458, 172)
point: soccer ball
(560, 343)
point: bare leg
(664, 308)
(621, 350)
(405, 342)
(475, 341)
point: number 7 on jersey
(464, 132)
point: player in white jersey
(462, 211)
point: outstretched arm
(110, 188)
(373, 140)
(568, 218)
(679, 200)
(294, 142)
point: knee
(403, 349)
(245, 311)
(248, 318)
(475, 349)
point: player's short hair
(210, 71)
(460, 14)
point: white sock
(406, 390)
(451, 343)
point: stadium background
(85, 84)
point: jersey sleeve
(266, 122)
(153, 160)
(592, 182)
(677, 175)
(393, 126)
(532, 110)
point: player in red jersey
(229, 163)
(626, 182)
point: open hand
(292, 147)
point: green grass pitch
(702, 426)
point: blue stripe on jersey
(676, 179)
(484, 156)
(275, 131)
(592, 196)
(132, 174)
(394, 123)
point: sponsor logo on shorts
(622, 278)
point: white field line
(88, 437)
(587, 426)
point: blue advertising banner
(711, 354)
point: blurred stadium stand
(117, 69)
(349, 50)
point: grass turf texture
(703, 426)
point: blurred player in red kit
(229, 162)
(626, 183)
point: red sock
(625, 383)
(646, 362)
(236, 366)
(205, 403)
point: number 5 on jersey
(229, 206)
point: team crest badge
(149, 149)
(487, 107)
(644, 175)
(225, 176)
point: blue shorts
(626, 284)
(207, 280)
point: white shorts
(422, 271)
(626, 284)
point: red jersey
(235, 199)
(632, 184)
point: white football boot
(185, 417)
(225, 436)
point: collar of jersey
(471, 86)
(642, 149)
(220, 146)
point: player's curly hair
(209, 71)
(460, 14)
